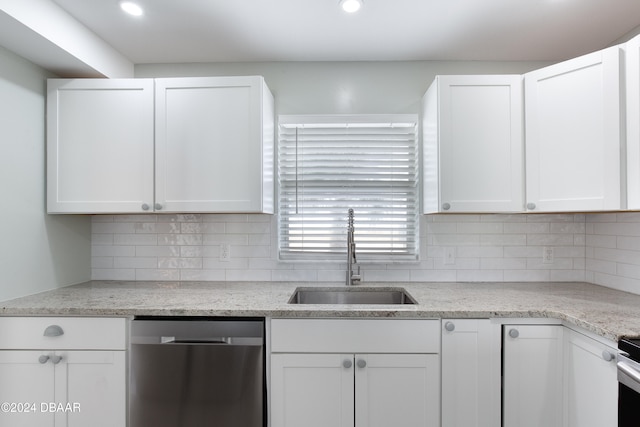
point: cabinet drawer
(78, 333)
(355, 336)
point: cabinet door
(573, 134)
(481, 143)
(25, 382)
(211, 144)
(591, 382)
(312, 390)
(470, 373)
(96, 382)
(532, 378)
(99, 145)
(632, 83)
(400, 390)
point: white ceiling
(175, 31)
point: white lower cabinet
(591, 382)
(389, 385)
(471, 373)
(45, 382)
(354, 390)
(311, 390)
(532, 376)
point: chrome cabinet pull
(53, 331)
(450, 326)
(347, 363)
(56, 359)
(43, 359)
(361, 363)
(514, 333)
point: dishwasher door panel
(189, 384)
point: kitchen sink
(394, 296)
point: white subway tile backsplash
(248, 275)
(203, 275)
(157, 274)
(113, 227)
(432, 275)
(603, 248)
(479, 227)
(480, 275)
(135, 239)
(526, 276)
(101, 239)
(113, 250)
(101, 262)
(165, 251)
(135, 262)
(113, 274)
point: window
(328, 164)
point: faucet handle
(356, 277)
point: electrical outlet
(547, 255)
(225, 252)
(449, 256)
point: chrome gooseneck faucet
(351, 254)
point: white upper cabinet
(214, 145)
(573, 135)
(192, 145)
(99, 145)
(473, 144)
(632, 80)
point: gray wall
(38, 252)
(342, 87)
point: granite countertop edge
(605, 312)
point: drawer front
(63, 333)
(355, 336)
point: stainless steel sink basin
(395, 296)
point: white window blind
(327, 165)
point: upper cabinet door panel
(573, 134)
(100, 145)
(473, 144)
(209, 144)
(481, 149)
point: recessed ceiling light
(131, 8)
(351, 6)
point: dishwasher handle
(230, 341)
(186, 340)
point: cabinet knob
(608, 356)
(531, 206)
(43, 359)
(361, 363)
(347, 363)
(53, 331)
(145, 207)
(514, 333)
(446, 206)
(450, 326)
(158, 206)
(56, 359)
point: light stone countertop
(606, 312)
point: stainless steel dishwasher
(201, 372)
